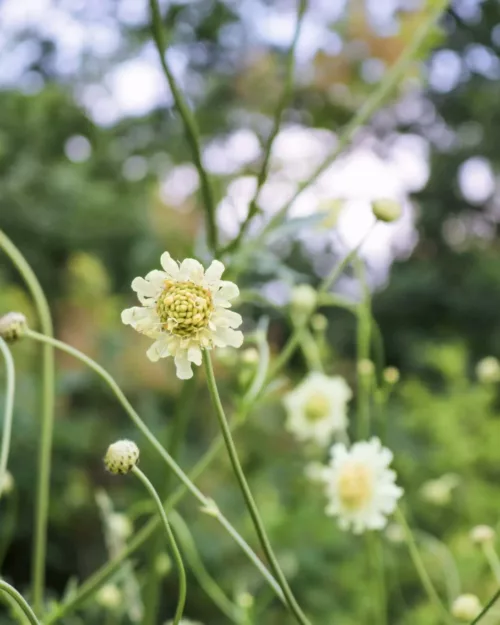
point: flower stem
(493, 559)
(377, 574)
(190, 126)
(247, 495)
(173, 544)
(9, 411)
(188, 484)
(47, 426)
(364, 380)
(487, 608)
(20, 600)
(420, 567)
(371, 105)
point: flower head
(361, 488)
(185, 309)
(488, 370)
(12, 326)
(482, 534)
(303, 299)
(466, 607)
(121, 457)
(109, 597)
(317, 408)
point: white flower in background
(303, 299)
(120, 525)
(488, 370)
(317, 408)
(466, 607)
(7, 483)
(109, 597)
(361, 488)
(439, 491)
(482, 534)
(185, 309)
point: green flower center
(317, 408)
(184, 308)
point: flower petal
(170, 266)
(143, 287)
(194, 355)
(227, 319)
(192, 270)
(213, 273)
(159, 349)
(183, 366)
(228, 291)
(157, 278)
(224, 337)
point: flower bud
(391, 375)
(121, 457)
(120, 525)
(387, 210)
(163, 564)
(250, 356)
(245, 600)
(488, 370)
(304, 298)
(482, 534)
(109, 597)
(366, 367)
(319, 322)
(466, 607)
(7, 484)
(12, 326)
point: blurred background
(96, 180)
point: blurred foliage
(89, 225)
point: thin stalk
(190, 127)
(205, 580)
(253, 208)
(190, 486)
(376, 557)
(486, 608)
(247, 495)
(20, 600)
(420, 568)
(364, 379)
(181, 601)
(311, 352)
(493, 559)
(371, 105)
(47, 425)
(9, 410)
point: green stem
(493, 560)
(486, 608)
(190, 486)
(253, 208)
(377, 573)
(364, 379)
(420, 567)
(171, 539)
(20, 600)
(206, 581)
(247, 495)
(190, 126)
(47, 426)
(371, 105)
(9, 410)
(311, 352)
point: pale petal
(213, 273)
(183, 366)
(227, 337)
(227, 319)
(135, 315)
(159, 349)
(143, 287)
(170, 266)
(194, 355)
(228, 291)
(157, 278)
(192, 270)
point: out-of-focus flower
(185, 309)
(366, 367)
(185, 621)
(120, 525)
(482, 534)
(7, 484)
(466, 607)
(395, 533)
(303, 299)
(121, 457)
(488, 370)
(163, 564)
(331, 209)
(439, 491)
(387, 210)
(12, 326)
(361, 488)
(391, 375)
(319, 322)
(317, 408)
(109, 597)
(250, 356)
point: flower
(439, 491)
(120, 525)
(318, 407)
(488, 370)
(303, 299)
(121, 457)
(482, 534)
(387, 210)
(360, 486)
(7, 483)
(466, 607)
(185, 309)
(109, 597)
(12, 326)
(391, 375)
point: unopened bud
(303, 299)
(387, 210)
(163, 564)
(482, 534)
(391, 375)
(7, 483)
(245, 600)
(109, 597)
(12, 326)
(488, 370)
(466, 607)
(319, 322)
(250, 356)
(121, 457)
(366, 367)
(120, 525)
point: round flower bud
(245, 600)
(120, 525)
(109, 597)
(391, 375)
(250, 356)
(12, 326)
(488, 370)
(466, 607)
(366, 367)
(319, 322)
(303, 299)
(387, 210)
(121, 457)
(482, 534)
(7, 484)
(163, 564)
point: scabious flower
(317, 408)
(361, 488)
(482, 534)
(121, 457)
(466, 607)
(12, 326)
(185, 309)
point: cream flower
(185, 309)
(317, 408)
(360, 487)
(466, 607)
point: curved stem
(20, 600)
(487, 608)
(371, 105)
(192, 488)
(247, 495)
(171, 539)
(47, 426)
(190, 127)
(492, 557)
(9, 411)
(253, 208)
